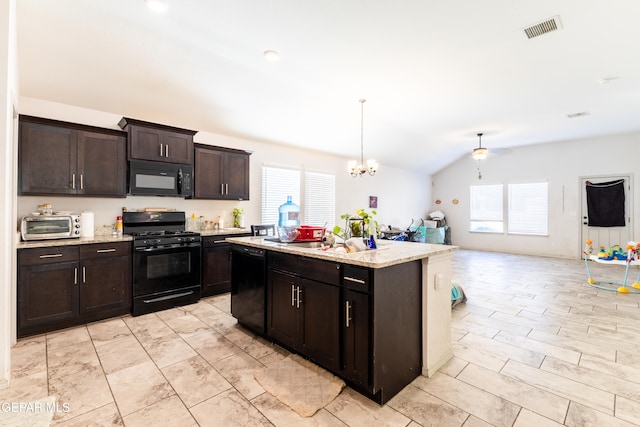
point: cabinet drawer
(101, 250)
(357, 278)
(321, 271)
(48, 255)
(284, 262)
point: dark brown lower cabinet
(355, 338)
(303, 310)
(216, 264)
(63, 286)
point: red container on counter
(308, 233)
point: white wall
(8, 95)
(560, 164)
(401, 195)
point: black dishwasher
(248, 287)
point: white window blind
(486, 208)
(277, 184)
(319, 199)
(528, 208)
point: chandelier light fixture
(480, 153)
(353, 167)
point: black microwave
(160, 179)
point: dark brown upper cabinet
(159, 143)
(61, 158)
(221, 173)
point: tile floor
(534, 346)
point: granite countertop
(388, 252)
(224, 231)
(77, 241)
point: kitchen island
(376, 318)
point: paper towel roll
(86, 223)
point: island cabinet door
(282, 314)
(356, 344)
(320, 324)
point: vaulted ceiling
(434, 73)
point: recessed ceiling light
(157, 5)
(271, 55)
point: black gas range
(166, 260)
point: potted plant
(238, 217)
(362, 224)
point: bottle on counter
(289, 214)
(119, 226)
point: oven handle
(159, 248)
(166, 297)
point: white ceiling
(434, 73)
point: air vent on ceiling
(580, 114)
(551, 24)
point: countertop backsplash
(107, 209)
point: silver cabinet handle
(82, 181)
(219, 241)
(166, 150)
(221, 188)
(84, 275)
(299, 298)
(73, 181)
(161, 151)
(347, 315)
(75, 275)
(293, 293)
(50, 256)
(103, 251)
(226, 187)
(351, 279)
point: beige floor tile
(628, 410)
(239, 370)
(567, 388)
(27, 388)
(599, 380)
(83, 391)
(168, 349)
(567, 342)
(187, 325)
(527, 418)
(582, 416)
(475, 422)
(229, 409)
(627, 371)
(256, 347)
(486, 406)
(505, 350)
(537, 400)
(212, 346)
(195, 380)
(354, 409)
(480, 356)
(108, 330)
(28, 357)
(147, 327)
(138, 386)
(170, 411)
(281, 415)
(67, 337)
(121, 353)
(105, 416)
(222, 302)
(426, 409)
(71, 359)
(453, 367)
(539, 347)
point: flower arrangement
(360, 225)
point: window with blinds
(528, 208)
(319, 199)
(277, 184)
(486, 208)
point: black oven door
(159, 270)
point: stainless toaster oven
(41, 227)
